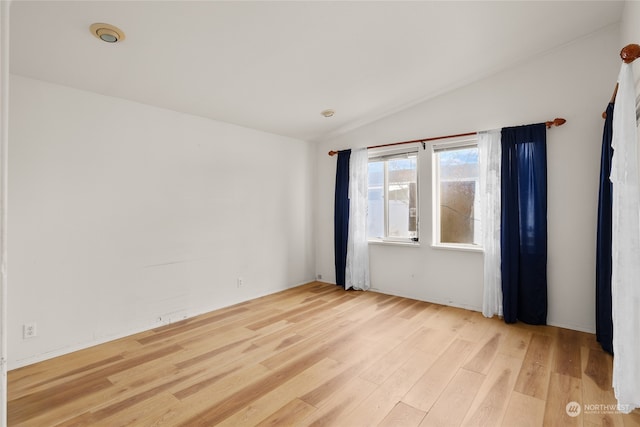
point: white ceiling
(274, 66)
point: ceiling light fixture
(107, 32)
(328, 113)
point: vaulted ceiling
(274, 66)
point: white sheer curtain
(357, 269)
(625, 277)
(489, 152)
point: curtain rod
(555, 122)
(628, 54)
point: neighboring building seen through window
(456, 198)
(393, 197)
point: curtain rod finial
(558, 121)
(333, 153)
(630, 52)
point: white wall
(125, 216)
(4, 143)
(574, 82)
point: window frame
(385, 154)
(458, 143)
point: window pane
(459, 203)
(375, 213)
(402, 197)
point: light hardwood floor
(317, 355)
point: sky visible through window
(459, 157)
(458, 163)
(376, 169)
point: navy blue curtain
(341, 215)
(604, 321)
(524, 224)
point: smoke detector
(107, 32)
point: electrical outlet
(240, 282)
(29, 330)
(319, 276)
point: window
(457, 219)
(393, 196)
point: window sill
(464, 248)
(394, 243)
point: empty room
(338, 213)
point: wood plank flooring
(316, 355)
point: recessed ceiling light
(107, 32)
(328, 113)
